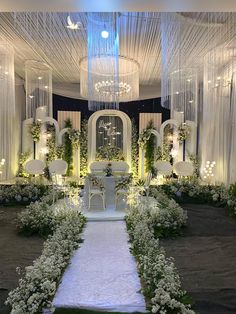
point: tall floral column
(8, 127)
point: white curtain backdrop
(219, 106)
(8, 125)
(232, 123)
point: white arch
(164, 124)
(61, 134)
(92, 133)
(158, 136)
(54, 122)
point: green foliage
(150, 149)
(51, 144)
(35, 130)
(232, 189)
(84, 148)
(109, 153)
(196, 164)
(68, 149)
(21, 166)
(134, 149)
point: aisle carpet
(206, 259)
(102, 275)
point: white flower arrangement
(184, 132)
(144, 137)
(218, 194)
(38, 286)
(74, 136)
(21, 193)
(162, 284)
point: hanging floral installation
(184, 132)
(35, 130)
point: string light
(208, 170)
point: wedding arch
(125, 133)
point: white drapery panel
(8, 125)
(218, 125)
(232, 122)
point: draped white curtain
(232, 123)
(8, 122)
(219, 112)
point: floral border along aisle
(161, 282)
(38, 286)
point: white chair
(120, 167)
(163, 167)
(184, 168)
(57, 169)
(58, 166)
(122, 191)
(35, 167)
(94, 189)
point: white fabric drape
(219, 106)
(8, 121)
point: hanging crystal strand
(38, 78)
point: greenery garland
(84, 148)
(68, 149)
(21, 166)
(134, 149)
(184, 132)
(150, 148)
(35, 130)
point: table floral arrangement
(108, 170)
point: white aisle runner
(102, 274)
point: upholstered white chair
(120, 167)
(163, 167)
(58, 166)
(183, 168)
(35, 167)
(95, 190)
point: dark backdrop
(132, 109)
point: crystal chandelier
(104, 88)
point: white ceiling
(43, 36)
